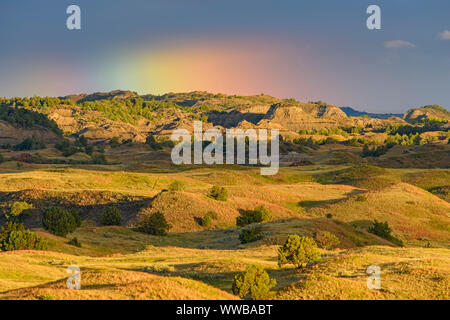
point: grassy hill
(337, 176)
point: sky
(307, 50)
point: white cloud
(397, 44)
(444, 35)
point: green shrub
(298, 250)
(383, 230)
(329, 216)
(177, 186)
(208, 218)
(74, 242)
(251, 234)
(89, 150)
(151, 141)
(218, 193)
(326, 240)
(111, 216)
(361, 198)
(17, 208)
(253, 283)
(260, 214)
(159, 268)
(60, 222)
(14, 236)
(32, 143)
(154, 223)
(76, 217)
(99, 159)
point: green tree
(14, 236)
(253, 283)
(251, 234)
(58, 221)
(18, 207)
(326, 240)
(383, 230)
(32, 143)
(151, 141)
(298, 250)
(99, 159)
(74, 242)
(111, 216)
(259, 214)
(154, 223)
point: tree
(251, 234)
(60, 222)
(74, 242)
(259, 214)
(18, 207)
(99, 159)
(76, 217)
(383, 230)
(82, 141)
(326, 240)
(151, 141)
(254, 283)
(14, 236)
(218, 193)
(30, 144)
(298, 250)
(111, 216)
(154, 223)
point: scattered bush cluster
(32, 143)
(24, 117)
(80, 145)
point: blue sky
(307, 50)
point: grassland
(195, 262)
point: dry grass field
(197, 262)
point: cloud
(444, 35)
(397, 44)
